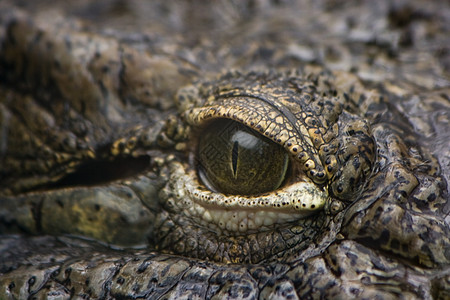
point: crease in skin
(4, 128)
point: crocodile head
(128, 172)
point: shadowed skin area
(252, 150)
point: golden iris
(235, 159)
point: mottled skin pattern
(99, 193)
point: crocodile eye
(234, 159)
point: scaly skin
(100, 196)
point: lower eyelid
(215, 210)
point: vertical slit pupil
(234, 157)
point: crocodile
(224, 150)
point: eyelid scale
(237, 214)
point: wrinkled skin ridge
(101, 109)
